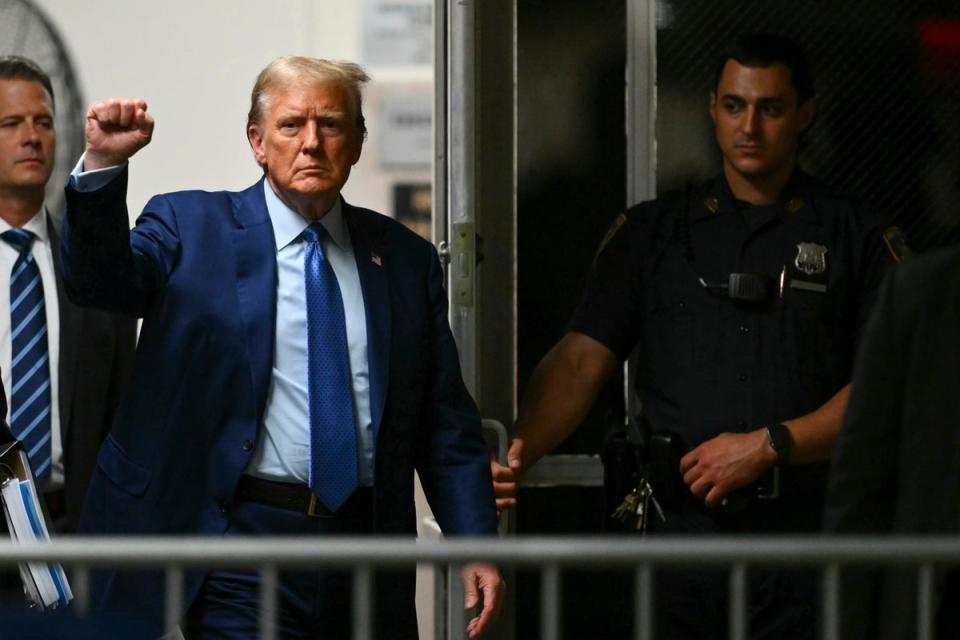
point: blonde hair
(290, 70)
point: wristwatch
(781, 441)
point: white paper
(45, 584)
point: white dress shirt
(43, 255)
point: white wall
(194, 62)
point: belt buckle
(314, 510)
(770, 490)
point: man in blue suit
(294, 369)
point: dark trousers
(311, 604)
(783, 604)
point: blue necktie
(333, 438)
(29, 357)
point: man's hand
(506, 480)
(726, 463)
(116, 129)
(482, 578)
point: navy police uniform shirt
(711, 364)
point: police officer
(745, 298)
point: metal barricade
(549, 554)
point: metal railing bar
(269, 582)
(457, 627)
(550, 602)
(551, 554)
(925, 602)
(440, 621)
(739, 622)
(211, 551)
(643, 618)
(362, 603)
(284, 551)
(831, 602)
(173, 607)
(80, 585)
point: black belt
(298, 497)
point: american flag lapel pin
(375, 259)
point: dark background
(887, 76)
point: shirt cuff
(92, 180)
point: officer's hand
(506, 480)
(726, 463)
(482, 578)
(116, 129)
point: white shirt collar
(37, 225)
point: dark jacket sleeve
(452, 459)
(864, 469)
(105, 264)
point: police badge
(811, 258)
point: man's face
(307, 141)
(758, 121)
(27, 138)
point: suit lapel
(369, 249)
(256, 281)
(70, 325)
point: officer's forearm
(561, 392)
(815, 433)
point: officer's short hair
(293, 69)
(20, 68)
(765, 49)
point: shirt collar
(795, 200)
(37, 225)
(288, 224)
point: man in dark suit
(69, 363)
(295, 366)
(896, 468)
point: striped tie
(333, 436)
(29, 358)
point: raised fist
(116, 129)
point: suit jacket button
(247, 445)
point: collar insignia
(896, 244)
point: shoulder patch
(611, 233)
(896, 244)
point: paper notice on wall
(397, 32)
(406, 131)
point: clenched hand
(116, 129)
